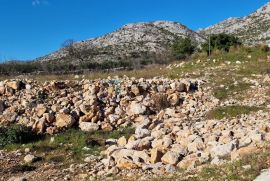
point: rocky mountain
(132, 40)
(150, 41)
(251, 29)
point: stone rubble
(169, 118)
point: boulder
(237, 154)
(88, 126)
(29, 158)
(223, 150)
(15, 85)
(64, 120)
(170, 158)
(130, 159)
(136, 108)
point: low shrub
(17, 134)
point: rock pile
(92, 105)
(171, 130)
(166, 143)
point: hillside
(196, 120)
(252, 29)
(138, 40)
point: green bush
(221, 42)
(182, 48)
(16, 134)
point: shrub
(221, 42)
(16, 134)
(182, 48)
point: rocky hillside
(205, 117)
(131, 41)
(251, 29)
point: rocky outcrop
(131, 42)
(252, 29)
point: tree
(182, 48)
(221, 42)
(73, 52)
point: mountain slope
(132, 40)
(251, 29)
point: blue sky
(32, 28)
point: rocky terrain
(252, 29)
(200, 121)
(131, 41)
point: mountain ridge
(251, 29)
(145, 39)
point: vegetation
(71, 145)
(221, 42)
(183, 48)
(230, 111)
(16, 134)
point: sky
(33, 28)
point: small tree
(182, 48)
(221, 42)
(69, 46)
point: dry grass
(147, 72)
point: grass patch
(230, 89)
(16, 134)
(71, 145)
(230, 111)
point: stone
(196, 145)
(173, 99)
(140, 132)
(90, 159)
(88, 126)
(178, 148)
(187, 163)
(170, 158)
(106, 127)
(264, 176)
(87, 117)
(122, 141)
(130, 159)
(40, 110)
(135, 90)
(135, 108)
(28, 87)
(27, 150)
(18, 179)
(29, 158)
(156, 155)
(64, 120)
(223, 150)
(15, 85)
(237, 154)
